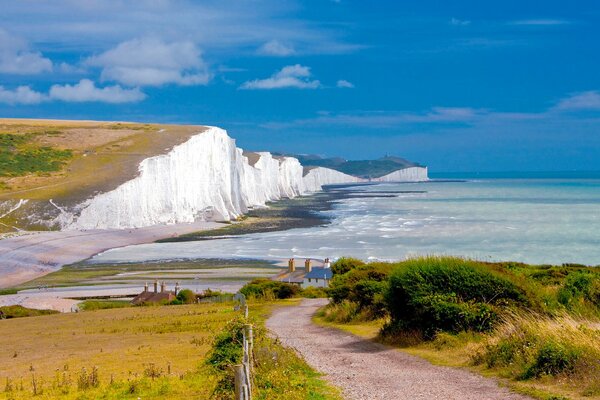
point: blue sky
(459, 86)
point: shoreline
(26, 257)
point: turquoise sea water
(537, 219)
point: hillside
(70, 161)
(366, 169)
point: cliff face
(412, 174)
(205, 178)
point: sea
(538, 218)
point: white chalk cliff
(205, 178)
(411, 174)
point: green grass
(91, 305)
(20, 312)
(18, 156)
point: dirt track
(366, 370)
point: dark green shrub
(345, 264)
(227, 348)
(580, 286)
(552, 359)
(186, 296)
(364, 285)
(448, 294)
(266, 288)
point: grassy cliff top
(72, 160)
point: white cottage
(317, 277)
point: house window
(309, 280)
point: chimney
(145, 287)
(327, 263)
(176, 288)
(292, 265)
(162, 287)
(155, 286)
(307, 265)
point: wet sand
(25, 257)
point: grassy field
(137, 352)
(69, 161)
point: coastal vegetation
(17, 311)
(19, 156)
(535, 326)
(146, 352)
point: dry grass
(122, 343)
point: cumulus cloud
(17, 58)
(292, 76)
(589, 100)
(87, 91)
(21, 95)
(342, 83)
(276, 48)
(152, 62)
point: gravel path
(366, 370)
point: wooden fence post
(240, 390)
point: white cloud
(21, 95)
(459, 22)
(87, 91)
(153, 62)
(292, 76)
(276, 48)
(342, 83)
(580, 101)
(17, 58)
(541, 22)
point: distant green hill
(360, 168)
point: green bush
(580, 286)
(312, 292)
(186, 296)
(269, 289)
(345, 264)
(227, 347)
(447, 294)
(552, 359)
(364, 285)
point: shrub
(186, 296)
(580, 286)
(227, 346)
(364, 285)
(269, 289)
(312, 292)
(447, 294)
(552, 359)
(345, 264)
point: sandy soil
(366, 370)
(26, 257)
